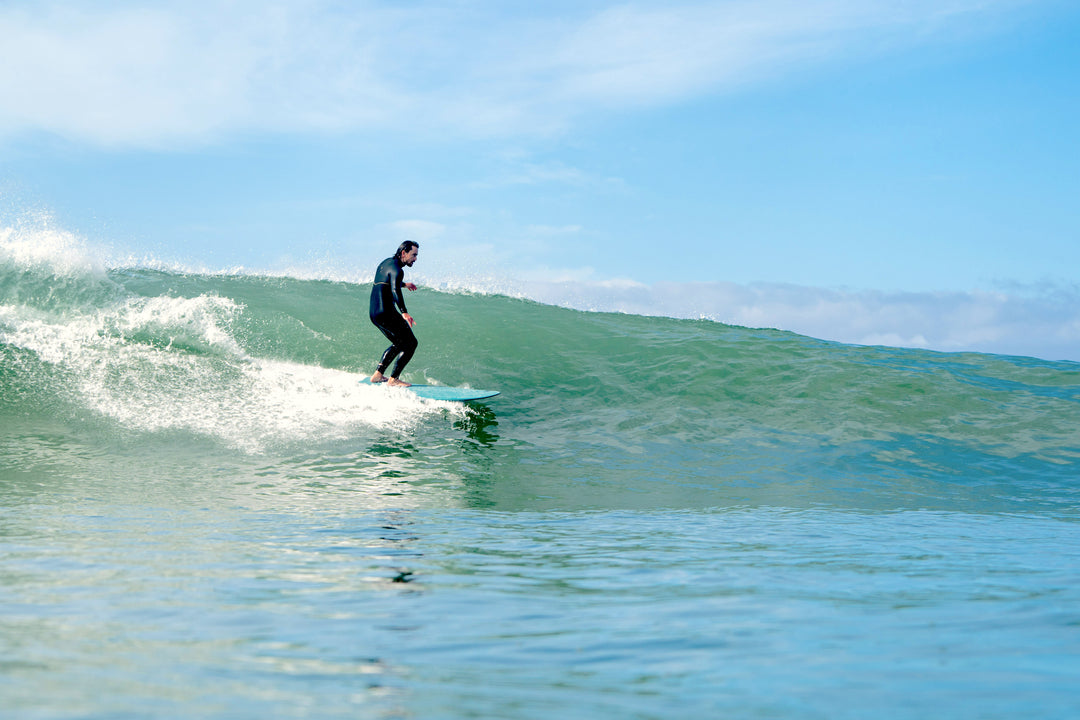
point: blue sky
(902, 173)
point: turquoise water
(204, 514)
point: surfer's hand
(408, 319)
(410, 286)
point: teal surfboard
(442, 392)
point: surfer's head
(406, 252)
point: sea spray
(168, 361)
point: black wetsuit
(385, 294)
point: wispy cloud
(143, 74)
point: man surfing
(386, 302)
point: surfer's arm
(401, 301)
(399, 297)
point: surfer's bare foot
(394, 382)
(378, 377)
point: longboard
(442, 392)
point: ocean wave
(1040, 320)
(258, 363)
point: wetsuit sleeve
(399, 296)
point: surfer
(386, 302)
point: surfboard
(442, 392)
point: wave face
(682, 412)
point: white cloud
(145, 74)
(142, 75)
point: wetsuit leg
(388, 357)
(403, 342)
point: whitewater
(203, 513)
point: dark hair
(406, 247)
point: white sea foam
(121, 363)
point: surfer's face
(410, 257)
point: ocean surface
(203, 514)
